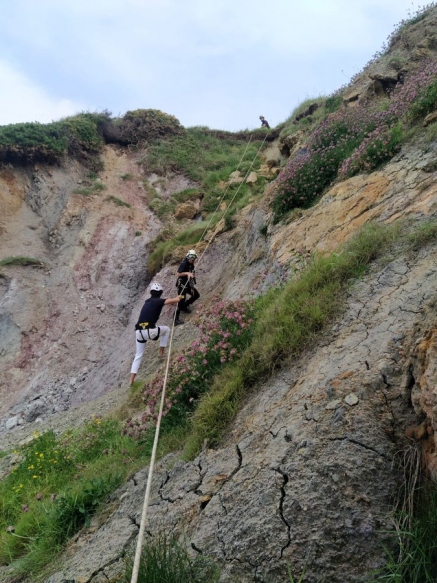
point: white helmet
(191, 254)
(155, 286)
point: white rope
(137, 560)
(232, 199)
(225, 191)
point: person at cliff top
(264, 122)
(185, 284)
(146, 328)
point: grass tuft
(118, 201)
(88, 190)
(21, 260)
(165, 560)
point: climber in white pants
(146, 328)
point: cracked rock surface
(308, 476)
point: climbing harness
(137, 559)
(152, 335)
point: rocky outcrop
(299, 482)
(405, 186)
(186, 210)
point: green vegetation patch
(21, 260)
(78, 135)
(117, 201)
(95, 187)
(165, 560)
(166, 242)
(55, 489)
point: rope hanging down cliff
(137, 559)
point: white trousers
(164, 332)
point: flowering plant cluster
(225, 331)
(351, 140)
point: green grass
(93, 189)
(415, 557)
(21, 260)
(292, 579)
(127, 176)
(164, 248)
(57, 487)
(165, 560)
(117, 201)
(205, 158)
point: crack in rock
(285, 480)
(195, 548)
(363, 445)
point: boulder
(251, 179)
(186, 210)
(235, 177)
(288, 145)
(430, 118)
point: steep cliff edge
(308, 476)
(308, 472)
(74, 308)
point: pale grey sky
(219, 63)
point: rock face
(63, 321)
(308, 474)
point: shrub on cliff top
(78, 135)
(147, 125)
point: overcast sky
(219, 63)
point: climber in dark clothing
(146, 328)
(185, 284)
(264, 122)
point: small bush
(148, 125)
(333, 103)
(127, 176)
(161, 207)
(230, 220)
(425, 103)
